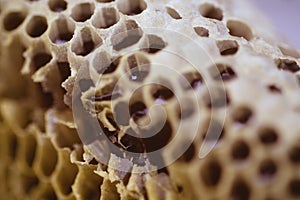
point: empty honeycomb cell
(216, 97)
(47, 157)
(46, 193)
(240, 150)
(240, 190)
(222, 72)
(274, 89)
(267, 135)
(161, 93)
(64, 70)
(211, 173)
(27, 150)
(131, 142)
(105, 18)
(36, 26)
(294, 154)
(28, 183)
(137, 67)
(131, 7)
(287, 65)
(153, 44)
(65, 174)
(267, 169)
(294, 187)
(128, 37)
(57, 5)
(13, 20)
(239, 29)
(209, 10)
(65, 136)
(85, 42)
(104, 1)
(201, 31)
(189, 153)
(164, 136)
(242, 114)
(12, 144)
(40, 59)
(173, 13)
(227, 47)
(45, 99)
(137, 110)
(104, 64)
(62, 30)
(194, 79)
(83, 11)
(87, 184)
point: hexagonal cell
(27, 150)
(45, 192)
(47, 157)
(191, 80)
(240, 150)
(227, 47)
(61, 30)
(161, 93)
(268, 135)
(287, 65)
(209, 10)
(173, 13)
(83, 11)
(240, 190)
(36, 26)
(153, 44)
(129, 34)
(222, 72)
(189, 154)
(85, 42)
(13, 20)
(137, 67)
(201, 31)
(104, 64)
(239, 29)
(131, 7)
(211, 173)
(105, 18)
(87, 184)
(27, 183)
(104, 1)
(66, 174)
(242, 114)
(40, 59)
(57, 5)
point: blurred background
(285, 16)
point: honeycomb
(84, 83)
